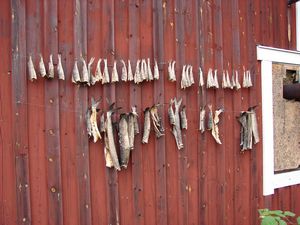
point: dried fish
(124, 71)
(224, 81)
(42, 67)
(88, 123)
(156, 71)
(171, 113)
(244, 130)
(245, 82)
(108, 160)
(31, 70)
(215, 128)
(98, 73)
(237, 83)
(149, 71)
(171, 71)
(233, 84)
(92, 78)
(147, 126)
(105, 79)
(85, 75)
(102, 123)
(109, 134)
(210, 79)
(191, 75)
(254, 125)
(183, 78)
(75, 74)
(156, 121)
(183, 118)
(176, 127)
(60, 69)
(94, 131)
(136, 124)
(124, 140)
(216, 82)
(51, 68)
(210, 118)
(248, 74)
(144, 71)
(137, 74)
(202, 120)
(131, 132)
(228, 80)
(201, 80)
(114, 75)
(130, 74)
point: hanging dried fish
(92, 79)
(210, 118)
(31, 70)
(202, 120)
(156, 121)
(156, 71)
(245, 82)
(50, 68)
(216, 82)
(224, 81)
(149, 71)
(60, 69)
(244, 130)
(92, 126)
(108, 160)
(114, 74)
(130, 74)
(171, 71)
(210, 80)
(102, 123)
(124, 140)
(184, 81)
(133, 128)
(191, 76)
(183, 118)
(147, 126)
(254, 125)
(201, 80)
(105, 79)
(248, 74)
(137, 74)
(215, 128)
(171, 113)
(109, 134)
(176, 126)
(98, 73)
(85, 75)
(237, 83)
(228, 80)
(136, 124)
(124, 71)
(75, 74)
(144, 71)
(233, 84)
(42, 67)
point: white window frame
(267, 56)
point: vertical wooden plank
(8, 203)
(81, 104)
(52, 137)
(159, 93)
(19, 107)
(67, 115)
(109, 92)
(97, 162)
(135, 99)
(171, 149)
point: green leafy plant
(278, 217)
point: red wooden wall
(52, 174)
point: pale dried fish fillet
(92, 121)
(98, 73)
(245, 82)
(92, 79)
(124, 140)
(31, 70)
(224, 81)
(201, 80)
(228, 80)
(249, 78)
(51, 68)
(85, 75)
(124, 71)
(176, 128)
(137, 74)
(210, 79)
(237, 83)
(216, 82)
(202, 120)
(75, 73)
(144, 71)
(149, 71)
(156, 121)
(183, 118)
(191, 75)
(147, 126)
(215, 128)
(183, 78)
(42, 67)
(105, 79)
(114, 74)
(171, 71)
(156, 71)
(60, 69)
(171, 113)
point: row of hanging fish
(249, 129)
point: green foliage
(277, 217)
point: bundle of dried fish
(50, 68)
(171, 71)
(149, 71)
(210, 79)
(215, 128)
(249, 129)
(85, 75)
(60, 69)
(105, 79)
(147, 125)
(201, 80)
(124, 140)
(247, 79)
(156, 121)
(75, 73)
(175, 121)
(110, 147)
(202, 120)
(130, 74)
(114, 75)
(91, 118)
(137, 74)
(42, 67)
(31, 70)
(183, 118)
(98, 73)
(156, 71)
(92, 78)
(144, 70)
(124, 71)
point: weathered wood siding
(52, 174)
